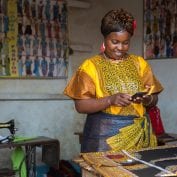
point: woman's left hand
(144, 99)
(147, 100)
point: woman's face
(117, 44)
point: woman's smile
(117, 44)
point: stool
(167, 138)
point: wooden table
(50, 152)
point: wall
(166, 72)
(39, 107)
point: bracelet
(150, 102)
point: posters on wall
(33, 39)
(160, 29)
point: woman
(103, 86)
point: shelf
(31, 96)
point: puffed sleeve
(148, 77)
(81, 86)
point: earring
(102, 48)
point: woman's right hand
(120, 99)
(92, 105)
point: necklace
(114, 60)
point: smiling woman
(103, 86)
(117, 45)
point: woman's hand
(150, 100)
(93, 105)
(120, 99)
(147, 100)
(142, 99)
(139, 99)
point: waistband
(104, 115)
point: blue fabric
(42, 170)
(98, 127)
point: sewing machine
(11, 126)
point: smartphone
(138, 94)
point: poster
(33, 39)
(160, 29)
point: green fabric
(21, 138)
(18, 155)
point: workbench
(116, 164)
(50, 153)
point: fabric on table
(21, 138)
(104, 162)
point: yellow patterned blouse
(98, 77)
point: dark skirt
(100, 126)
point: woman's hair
(117, 20)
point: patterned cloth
(105, 132)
